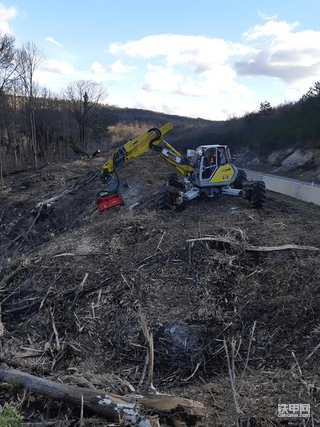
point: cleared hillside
(74, 286)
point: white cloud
(194, 66)
(198, 52)
(208, 77)
(161, 79)
(97, 68)
(285, 53)
(212, 84)
(52, 40)
(56, 67)
(6, 14)
(219, 109)
(267, 17)
(271, 28)
(117, 68)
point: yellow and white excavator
(207, 172)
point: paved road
(291, 187)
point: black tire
(240, 179)
(258, 195)
(165, 199)
(173, 181)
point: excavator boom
(150, 140)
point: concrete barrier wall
(297, 189)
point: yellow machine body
(223, 174)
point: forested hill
(134, 115)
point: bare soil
(75, 283)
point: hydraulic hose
(158, 136)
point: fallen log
(130, 408)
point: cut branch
(9, 276)
(67, 295)
(150, 356)
(248, 247)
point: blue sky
(206, 59)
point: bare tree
(83, 96)
(30, 57)
(8, 61)
(8, 67)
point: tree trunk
(1, 171)
(129, 407)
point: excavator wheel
(169, 197)
(172, 180)
(165, 199)
(240, 179)
(258, 195)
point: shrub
(10, 416)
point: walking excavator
(207, 172)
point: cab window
(222, 156)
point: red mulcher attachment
(109, 201)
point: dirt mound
(214, 281)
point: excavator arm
(150, 140)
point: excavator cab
(211, 165)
